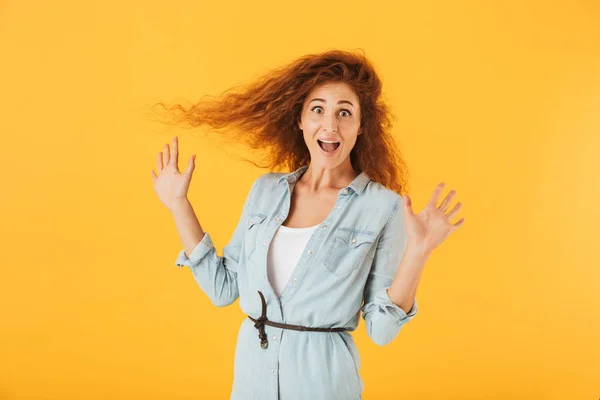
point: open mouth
(328, 146)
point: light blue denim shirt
(352, 257)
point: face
(330, 113)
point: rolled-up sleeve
(217, 275)
(383, 318)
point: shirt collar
(358, 185)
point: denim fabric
(352, 257)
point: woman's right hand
(170, 185)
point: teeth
(327, 141)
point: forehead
(337, 90)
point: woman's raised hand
(170, 185)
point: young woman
(316, 246)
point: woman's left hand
(429, 228)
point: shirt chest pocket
(253, 225)
(347, 250)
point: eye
(341, 111)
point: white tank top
(284, 253)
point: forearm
(189, 228)
(403, 289)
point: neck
(317, 178)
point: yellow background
(500, 100)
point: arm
(383, 317)
(216, 275)
(403, 289)
(187, 224)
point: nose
(330, 124)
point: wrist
(178, 204)
(418, 249)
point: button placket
(343, 200)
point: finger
(447, 200)
(454, 210)
(167, 154)
(159, 162)
(436, 194)
(459, 223)
(153, 177)
(191, 166)
(175, 154)
(408, 203)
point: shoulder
(377, 193)
(270, 178)
(265, 184)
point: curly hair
(264, 115)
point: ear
(300, 124)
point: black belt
(262, 321)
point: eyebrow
(339, 102)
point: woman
(317, 246)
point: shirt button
(272, 370)
(274, 337)
(339, 207)
(278, 219)
(345, 191)
(265, 243)
(310, 252)
(353, 240)
(295, 279)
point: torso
(308, 209)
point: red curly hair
(264, 115)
